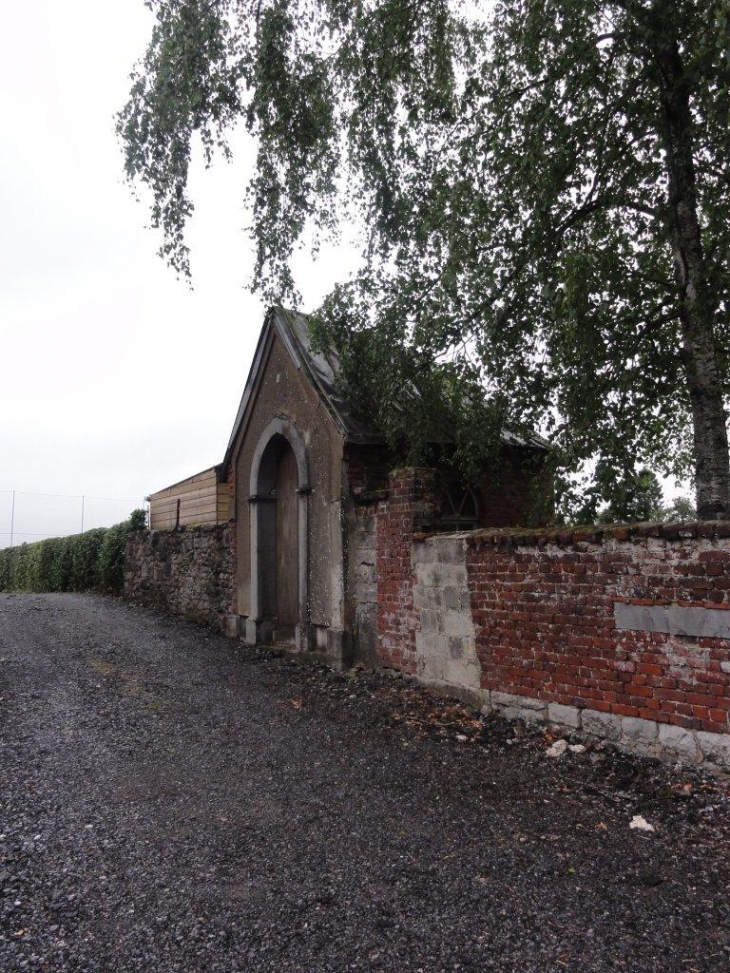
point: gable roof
(322, 369)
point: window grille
(459, 509)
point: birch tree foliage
(543, 190)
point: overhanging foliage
(543, 184)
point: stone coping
(589, 534)
(597, 534)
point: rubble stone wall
(186, 572)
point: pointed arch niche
(279, 537)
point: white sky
(115, 379)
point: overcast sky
(116, 379)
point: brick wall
(186, 572)
(630, 622)
(621, 632)
(411, 507)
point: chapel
(306, 485)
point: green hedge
(92, 561)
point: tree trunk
(698, 308)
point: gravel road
(173, 801)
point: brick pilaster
(411, 507)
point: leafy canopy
(506, 163)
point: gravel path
(173, 801)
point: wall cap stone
(572, 536)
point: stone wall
(445, 637)
(185, 572)
(233, 541)
(362, 580)
(623, 633)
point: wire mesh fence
(26, 516)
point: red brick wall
(543, 613)
(518, 492)
(542, 609)
(410, 508)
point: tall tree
(543, 185)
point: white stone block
(452, 599)
(444, 575)
(458, 623)
(715, 748)
(457, 647)
(607, 726)
(430, 667)
(429, 598)
(461, 672)
(564, 715)
(449, 550)
(503, 699)
(638, 732)
(432, 644)
(676, 740)
(519, 702)
(423, 554)
(431, 621)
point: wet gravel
(173, 801)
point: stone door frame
(259, 629)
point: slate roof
(322, 368)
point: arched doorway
(279, 537)
(279, 546)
